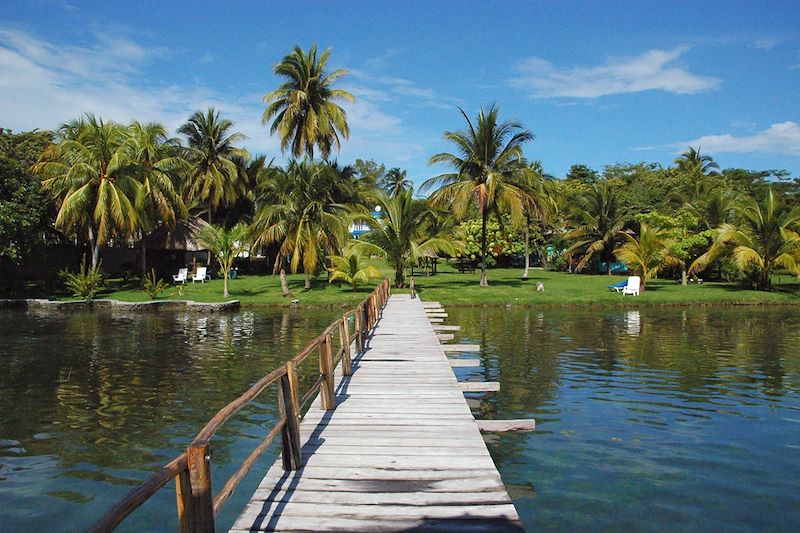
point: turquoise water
(681, 419)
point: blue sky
(596, 82)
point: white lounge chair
(200, 275)
(632, 287)
(181, 276)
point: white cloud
(45, 83)
(766, 43)
(653, 70)
(782, 138)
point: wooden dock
(400, 452)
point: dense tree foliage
(23, 204)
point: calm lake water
(92, 403)
(679, 419)
(658, 419)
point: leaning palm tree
(648, 253)
(489, 155)
(92, 177)
(399, 235)
(226, 245)
(298, 209)
(352, 268)
(304, 107)
(763, 237)
(212, 178)
(600, 218)
(694, 164)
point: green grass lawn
(561, 288)
(451, 288)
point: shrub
(85, 283)
(154, 286)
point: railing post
(326, 370)
(344, 338)
(201, 508)
(359, 330)
(291, 452)
(183, 500)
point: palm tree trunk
(307, 282)
(94, 246)
(284, 285)
(527, 251)
(143, 247)
(484, 281)
(209, 223)
(225, 284)
(684, 276)
(399, 276)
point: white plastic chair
(200, 275)
(632, 287)
(181, 276)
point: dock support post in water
(201, 502)
(290, 433)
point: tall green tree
(399, 235)
(538, 202)
(299, 209)
(763, 236)
(226, 245)
(23, 204)
(93, 179)
(158, 165)
(303, 109)
(599, 220)
(488, 157)
(212, 153)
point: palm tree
(489, 155)
(694, 164)
(399, 234)
(601, 219)
(764, 236)
(92, 177)
(395, 181)
(648, 253)
(298, 208)
(304, 107)
(226, 245)
(352, 268)
(213, 176)
(158, 164)
(538, 201)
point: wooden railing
(196, 504)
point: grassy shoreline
(506, 288)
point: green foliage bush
(154, 286)
(84, 284)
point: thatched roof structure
(181, 237)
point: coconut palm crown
(303, 109)
(488, 156)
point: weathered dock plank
(401, 451)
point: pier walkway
(401, 451)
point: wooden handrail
(195, 503)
